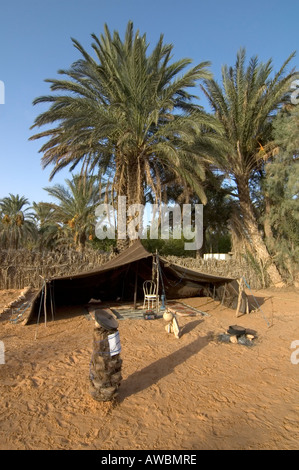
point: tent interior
(122, 279)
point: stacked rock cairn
(105, 367)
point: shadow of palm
(151, 374)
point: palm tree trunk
(253, 234)
(81, 241)
(134, 193)
(199, 253)
(267, 224)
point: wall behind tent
(20, 268)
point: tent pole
(135, 288)
(39, 311)
(223, 295)
(240, 282)
(157, 292)
(51, 299)
(45, 303)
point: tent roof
(137, 252)
(134, 253)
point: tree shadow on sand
(146, 377)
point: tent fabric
(122, 277)
(134, 253)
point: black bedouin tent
(123, 276)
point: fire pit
(238, 335)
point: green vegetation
(128, 120)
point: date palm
(17, 226)
(74, 212)
(244, 106)
(47, 225)
(126, 113)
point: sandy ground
(190, 393)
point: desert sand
(191, 393)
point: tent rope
(20, 315)
(171, 283)
(42, 301)
(258, 306)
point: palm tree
(128, 114)
(245, 106)
(74, 215)
(47, 225)
(17, 225)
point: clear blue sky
(35, 43)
